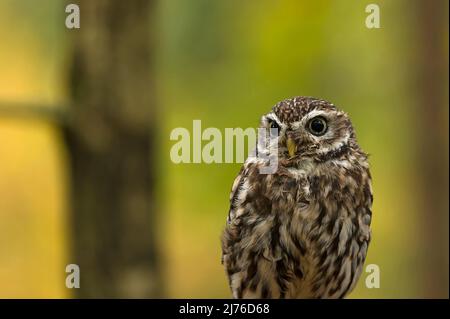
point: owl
(303, 230)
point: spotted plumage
(302, 231)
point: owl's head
(310, 128)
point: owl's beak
(292, 148)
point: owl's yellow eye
(317, 126)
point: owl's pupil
(318, 126)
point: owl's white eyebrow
(272, 116)
(310, 115)
(314, 114)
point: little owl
(303, 230)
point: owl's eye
(317, 126)
(274, 125)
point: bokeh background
(225, 62)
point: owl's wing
(246, 245)
(235, 190)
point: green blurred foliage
(226, 63)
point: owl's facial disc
(319, 132)
(310, 128)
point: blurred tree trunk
(432, 125)
(111, 148)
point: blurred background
(86, 114)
